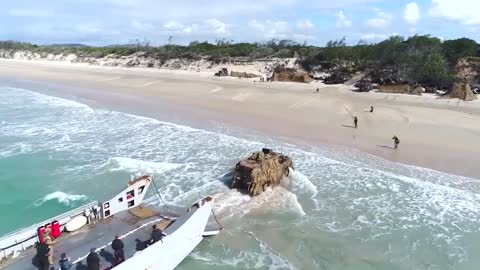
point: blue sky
(103, 22)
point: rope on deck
(158, 193)
(216, 220)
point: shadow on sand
(385, 146)
(347, 126)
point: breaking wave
(61, 197)
(140, 166)
(337, 200)
(233, 203)
(261, 256)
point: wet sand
(441, 134)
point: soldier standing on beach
(355, 121)
(371, 109)
(396, 142)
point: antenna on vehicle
(158, 193)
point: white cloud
(342, 20)
(305, 25)
(87, 28)
(302, 37)
(29, 13)
(381, 21)
(412, 13)
(194, 28)
(172, 25)
(217, 26)
(374, 36)
(370, 36)
(257, 26)
(189, 29)
(271, 29)
(141, 26)
(56, 21)
(460, 11)
(209, 27)
(278, 29)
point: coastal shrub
(417, 59)
(261, 52)
(432, 69)
(459, 48)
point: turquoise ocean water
(342, 209)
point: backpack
(65, 264)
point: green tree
(262, 52)
(459, 48)
(389, 51)
(423, 43)
(430, 69)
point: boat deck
(133, 226)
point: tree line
(421, 58)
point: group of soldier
(45, 252)
(395, 139)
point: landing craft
(77, 231)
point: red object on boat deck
(40, 232)
(49, 227)
(55, 233)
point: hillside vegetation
(417, 59)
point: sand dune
(442, 134)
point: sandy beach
(441, 134)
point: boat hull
(187, 233)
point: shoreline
(440, 134)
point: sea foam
(140, 166)
(344, 194)
(60, 197)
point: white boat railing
(21, 239)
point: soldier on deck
(49, 242)
(93, 260)
(42, 256)
(65, 263)
(157, 234)
(117, 246)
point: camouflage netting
(283, 74)
(400, 89)
(260, 171)
(468, 70)
(243, 74)
(462, 91)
